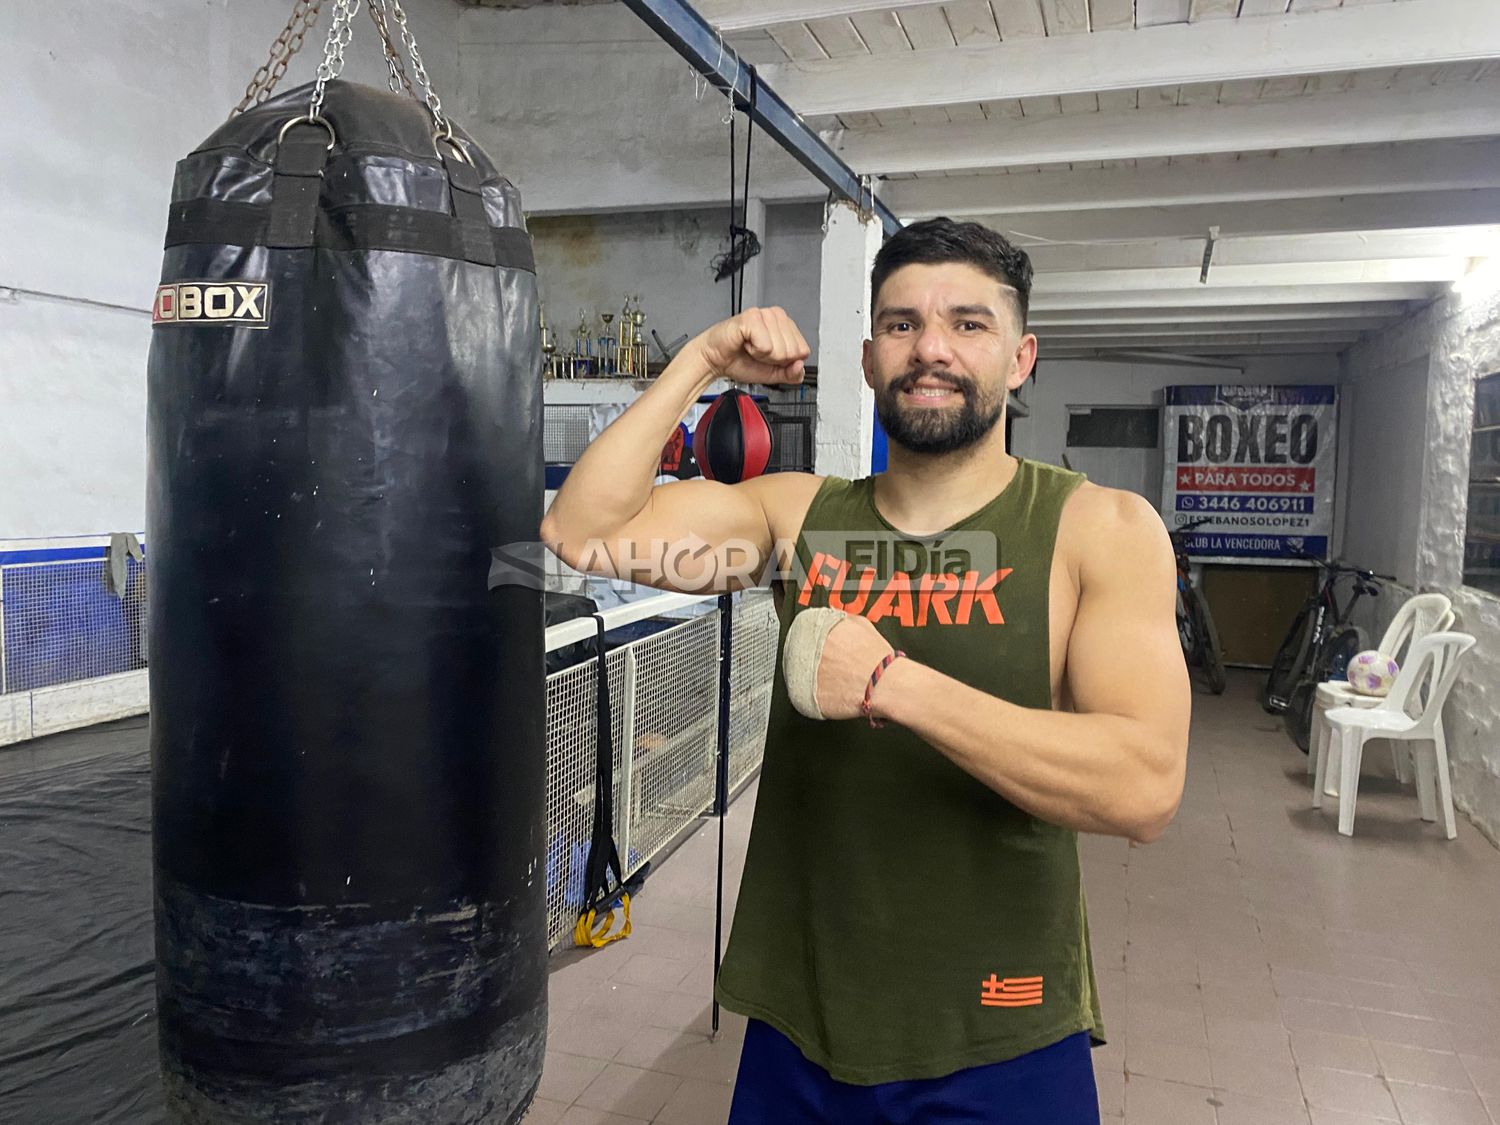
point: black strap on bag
(468, 204)
(599, 897)
(301, 156)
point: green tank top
(898, 919)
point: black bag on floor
(348, 726)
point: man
(910, 941)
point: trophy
(638, 338)
(549, 347)
(606, 346)
(624, 349)
(583, 347)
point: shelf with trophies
(607, 346)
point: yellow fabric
(593, 933)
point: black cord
(734, 298)
(745, 202)
(740, 235)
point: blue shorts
(778, 1086)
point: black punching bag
(347, 725)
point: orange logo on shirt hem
(1010, 992)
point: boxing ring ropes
(76, 657)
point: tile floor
(1256, 967)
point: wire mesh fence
(565, 432)
(751, 674)
(794, 428)
(60, 623)
(664, 697)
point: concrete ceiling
(1341, 156)
(1347, 151)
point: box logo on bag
(238, 304)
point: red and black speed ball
(733, 439)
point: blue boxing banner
(1258, 462)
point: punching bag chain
(434, 103)
(340, 34)
(288, 43)
(398, 80)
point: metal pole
(721, 779)
(627, 758)
(694, 38)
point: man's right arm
(695, 536)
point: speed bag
(347, 724)
(733, 439)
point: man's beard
(941, 430)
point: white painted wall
(106, 98)
(588, 111)
(590, 262)
(1387, 408)
(1457, 339)
(792, 270)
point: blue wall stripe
(51, 554)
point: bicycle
(1195, 624)
(1320, 641)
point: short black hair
(934, 241)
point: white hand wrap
(801, 655)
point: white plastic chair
(1421, 616)
(1433, 662)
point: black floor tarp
(77, 992)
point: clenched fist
(757, 346)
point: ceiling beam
(1281, 314)
(1241, 250)
(1204, 354)
(1295, 216)
(683, 29)
(1226, 340)
(736, 15)
(1423, 166)
(1466, 109)
(1351, 274)
(1204, 296)
(1341, 325)
(1411, 33)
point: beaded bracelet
(875, 679)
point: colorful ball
(1371, 673)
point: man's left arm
(1116, 764)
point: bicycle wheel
(1333, 656)
(1284, 668)
(1206, 639)
(1299, 709)
(1347, 642)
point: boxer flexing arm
(694, 536)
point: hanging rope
(743, 245)
(743, 242)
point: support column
(846, 407)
